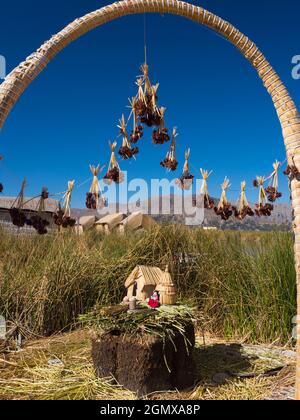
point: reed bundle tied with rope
(224, 208)
(243, 210)
(161, 136)
(263, 208)
(63, 216)
(138, 130)
(38, 221)
(93, 197)
(208, 201)
(18, 217)
(114, 173)
(126, 151)
(146, 104)
(170, 162)
(272, 190)
(186, 179)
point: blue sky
(65, 119)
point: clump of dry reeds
(39, 273)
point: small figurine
(154, 301)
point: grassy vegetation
(243, 283)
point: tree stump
(146, 364)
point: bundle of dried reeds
(263, 208)
(208, 201)
(114, 173)
(272, 190)
(170, 162)
(38, 221)
(243, 210)
(126, 151)
(63, 216)
(186, 179)
(93, 197)
(224, 208)
(16, 212)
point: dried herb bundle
(18, 217)
(170, 162)
(114, 173)
(243, 210)
(224, 208)
(208, 201)
(93, 197)
(263, 208)
(126, 151)
(63, 216)
(186, 180)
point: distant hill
(168, 209)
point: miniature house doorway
(21, 77)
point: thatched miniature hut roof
(138, 220)
(151, 275)
(7, 203)
(111, 220)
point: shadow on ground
(216, 363)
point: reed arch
(21, 77)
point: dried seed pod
(62, 217)
(224, 208)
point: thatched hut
(108, 223)
(137, 222)
(142, 282)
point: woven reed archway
(21, 77)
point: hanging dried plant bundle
(37, 221)
(126, 151)
(138, 130)
(186, 180)
(243, 210)
(208, 201)
(262, 207)
(170, 162)
(161, 136)
(272, 190)
(292, 170)
(146, 103)
(94, 195)
(224, 208)
(18, 217)
(63, 216)
(114, 173)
